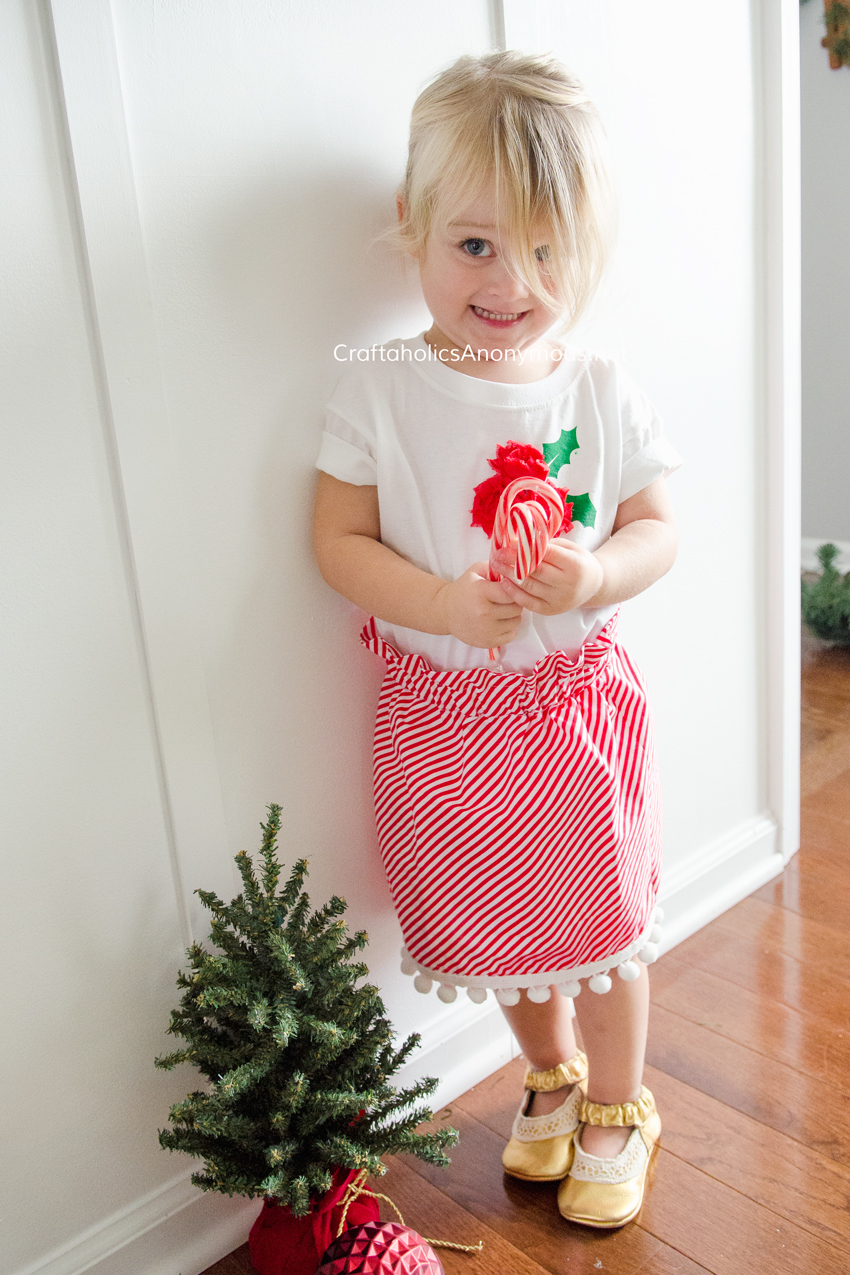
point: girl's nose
(504, 285)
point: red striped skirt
(518, 819)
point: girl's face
(476, 300)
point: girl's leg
(613, 1030)
(545, 1035)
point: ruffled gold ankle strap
(618, 1113)
(566, 1073)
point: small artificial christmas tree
(826, 601)
(298, 1055)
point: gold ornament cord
(358, 1187)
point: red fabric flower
(486, 502)
(513, 460)
(567, 524)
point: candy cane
(523, 521)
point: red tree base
(281, 1244)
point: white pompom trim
(537, 986)
(507, 995)
(628, 971)
(538, 994)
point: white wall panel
(265, 166)
(91, 928)
(679, 309)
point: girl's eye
(542, 253)
(477, 247)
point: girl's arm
(642, 548)
(347, 537)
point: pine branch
(271, 872)
(292, 890)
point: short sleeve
(348, 452)
(647, 453)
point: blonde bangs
(525, 124)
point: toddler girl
(516, 798)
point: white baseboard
(174, 1230)
(463, 1046)
(717, 876)
(179, 1230)
(810, 545)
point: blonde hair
(526, 123)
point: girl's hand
(568, 577)
(477, 610)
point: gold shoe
(541, 1147)
(609, 1193)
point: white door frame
(778, 42)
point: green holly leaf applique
(559, 453)
(584, 510)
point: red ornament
(380, 1248)
(281, 1244)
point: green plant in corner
(296, 1050)
(826, 601)
(836, 16)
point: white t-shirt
(423, 432)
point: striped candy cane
(522, 520)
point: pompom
(648, 954)
(507, 996)
(477, 995)
(447, 993)
(571, 990)
(628, 971)
(408, 965)
(600, 983)
(538, 994)
(422, 984)
(658, 915)
(655, 934)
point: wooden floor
(749, 1059)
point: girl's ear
(401, 209)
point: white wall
(91, 930)
(825, 100)
(182, 265)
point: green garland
(297, 1055)
(826, 601)
(837, 39)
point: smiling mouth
(492, 316)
